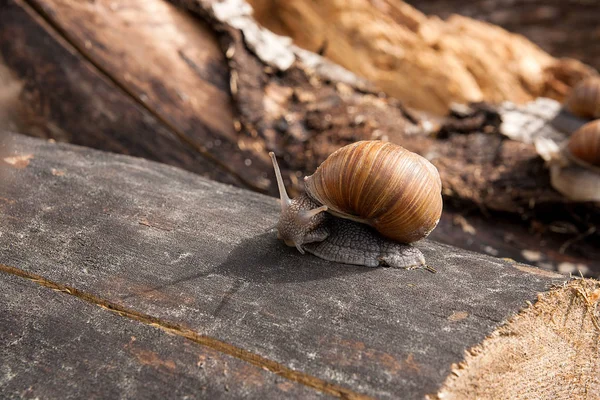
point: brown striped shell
(381, 184)
(584, 100)
(584, 143)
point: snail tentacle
(306, 215)
(302, 222)
(283, 196)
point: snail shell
(575, 165)
(383, 185)
(584, 144)
(584, 100)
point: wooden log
(55, 346)
(68, 92)
(201, 260)
(529, 344)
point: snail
(584, 144)
(575, 164)
(364, 205)
(584, 99)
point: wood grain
(62, 96)
(171, 62)
(56, 346)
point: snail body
(364, 205)
(584, 99)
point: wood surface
(82, 85)
(56, 346)
(200, 260)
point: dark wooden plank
(64, 97)
(202, 254)
(172, 62)
(55, 346)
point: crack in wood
(215, 344)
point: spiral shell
(584, 100)
(584, 144)
(383, 185)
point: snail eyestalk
(283, 196)
(308, 214)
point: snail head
(301, 219)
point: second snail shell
(584, 100)
(383, 185)
(584, 144)
(575, 164)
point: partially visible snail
(584, 144)
(575, 165)
(363, 205)
(584, 99)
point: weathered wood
(65, 97)
(201, 255)
(426, 62)
(171, 62)
(55, 346)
